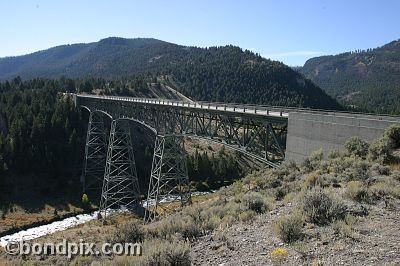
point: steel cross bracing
(169, 181)
(120, 184)
(260, 136)
(95, 153)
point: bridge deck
(263, 110)
(223, 107)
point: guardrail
(239, 108)
(235, 107)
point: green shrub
(288, 170)
(193, 221)
(247, 216)
(357, 191)
(289, 197)
(190, 229)
(289, 228)
(313, 161)
(165, 253)
(211, 223)
(85, 200)
(281, 192)
(194, 212)
(256, 202)
(317, 179)
(380, 151)
(157, 252)
(231, 209)
(321, 207)
(341, 228)
(344, 227)
(392, 133)
(130, 232)
(359, 170)
(378, 169)
(228, 220)
(395, 175)
(169, 226)
(339, 165)
(311, 180)
(385, 188)
(217, 211)
(357, 147)
(269, 179)
(335, 154)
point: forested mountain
(214, 74)
(108, 58)
(231, 75)
(369, 80)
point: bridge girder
(259, 136)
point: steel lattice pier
(95, 153)
(260, 134)
(120, 184)
(169, 179)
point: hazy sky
(286, 30)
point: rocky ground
(374, 240)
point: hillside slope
(213, 74)
(107, 58)
(340, 211)
(370, 79)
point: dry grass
(19, 217)
(171, 207)
(345, 228)
(395, 167)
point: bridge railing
(236, 107)
(232, 107)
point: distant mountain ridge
(369, 80)
(214, 74)
(92, 59)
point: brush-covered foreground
(338, 210)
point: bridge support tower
(120, 184)
(169, 181)
(95, 153)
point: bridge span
(258, 131)
(266, 133)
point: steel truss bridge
(257, 131)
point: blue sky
(290, 31)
